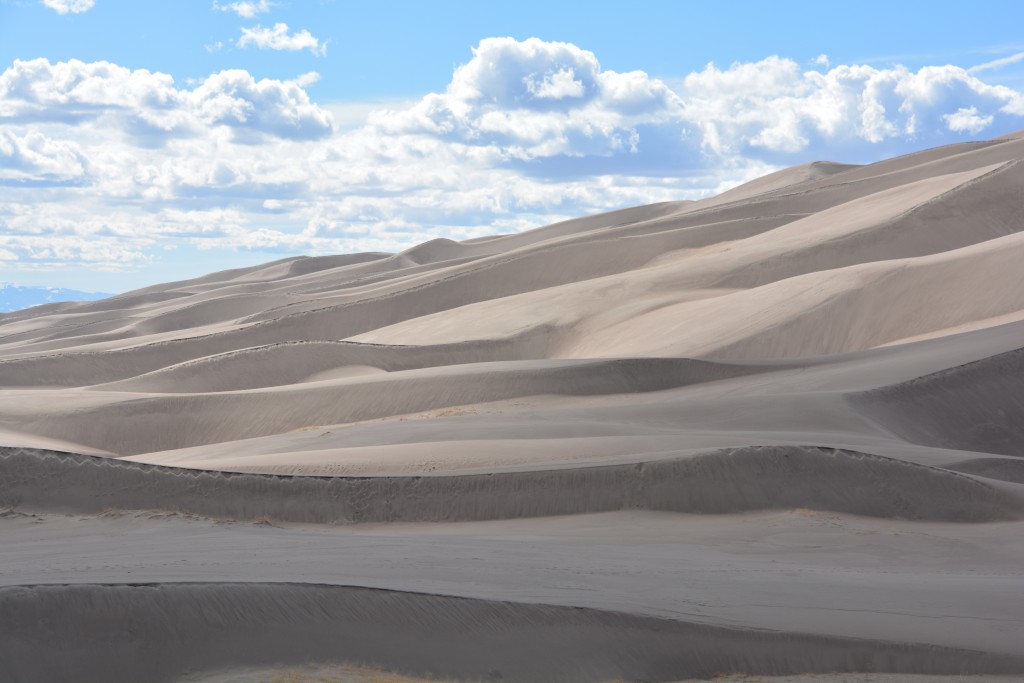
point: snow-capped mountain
(17, 297)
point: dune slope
(776, 431)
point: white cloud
(771, 106)
(967, 120)
(246, 10)
(101, 251)
(306, 79)
(536, 103)
(533, 100)
(280, 108)
(556, 86)
(70, 6)
(278, 38)
(35, 158)
(112, 167)
(822, 60)
(148, 107)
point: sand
(773, 435)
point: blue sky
(148, 141)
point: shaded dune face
(728, 481)
(978, 406)
(473, 639)
(823, 367)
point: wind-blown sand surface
(776, 433)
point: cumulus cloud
(111, 167)
(34, 158)
(70, 6)
(280, 108)
(771, 108)
(537, 105)
(967, 120)
(533, 101)
(278, 38)
(245, 9)
(149, 106)
(556, 86)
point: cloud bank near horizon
(114, 168)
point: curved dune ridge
(736, 480)
(160, 422)
(165, 631)
(661, 442)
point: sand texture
(776, 435)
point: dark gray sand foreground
(355, 674)
(773, 436)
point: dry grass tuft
(451, 411)
(263, 520)
(346, 674)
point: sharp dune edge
(774, 432)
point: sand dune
(978, 406)
(668, 441)
(413, 632)
(756, 478)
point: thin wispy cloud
(997, 63)
(246, 10)
(278, 38)
(69, 6)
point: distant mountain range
(17, 297)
